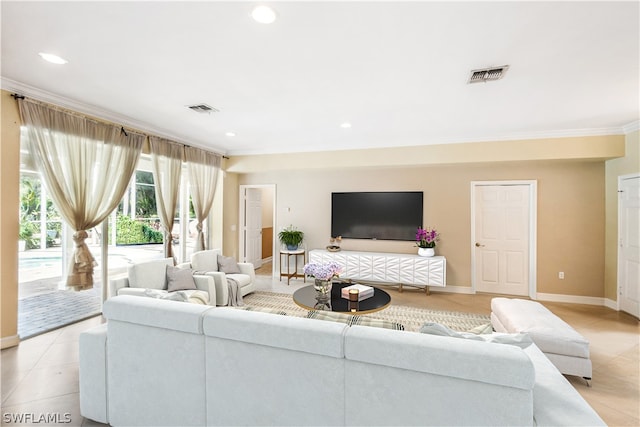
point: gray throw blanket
(235, 296)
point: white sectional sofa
(159, 362)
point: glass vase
(323, 287)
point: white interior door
(253, 226)
(502, 239)
(629, 245)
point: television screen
(392, 215)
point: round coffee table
(306, 297)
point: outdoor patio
(44, 304)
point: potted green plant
(291, 237)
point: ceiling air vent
(203, 108)
(488, 74)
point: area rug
(412, 318)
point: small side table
(286, 254)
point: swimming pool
(36, 262)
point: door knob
(478, 245)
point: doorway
(629, 244)
(503, 237)
(257, 224)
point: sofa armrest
(248, 268)
(92, 373)
(206, 283)
(184, 265)
(116, 284)
(220, 283)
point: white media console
(390, 268)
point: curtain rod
(17, 96)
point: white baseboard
(452, 289)
(575, 299)
(7, 342)
(609, 303)
(266, 260)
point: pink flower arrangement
(427, 237)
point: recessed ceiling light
(263, 14)
(54, 59)
(345, 125)
(230, 134)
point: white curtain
(86, 166)
(166, 157)
(203, 176)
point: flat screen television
(377, 215)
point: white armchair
(150, 278)
(207, 262)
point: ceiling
(396, 71)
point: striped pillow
(262, 310)
(351, 320)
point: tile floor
(40, 376)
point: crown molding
(631, 127)
(97, 112)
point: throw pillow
(228, 265)
(353, 319)
(179, 279)
(262, 310)
(175, 296)
(521, 340)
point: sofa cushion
(179, 279)
(285, 332)
(351, 320)
(521, 340)
(228, 265)
(150, 274)
(505, 365)
(163, 314)
(205, 260)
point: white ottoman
(565, 348)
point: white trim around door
(243, 223)
(532, 259)
(628, 250)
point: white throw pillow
(521, 340)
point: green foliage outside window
(30, 195)
(130, 231)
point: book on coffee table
(364, 291)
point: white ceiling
(397, 71)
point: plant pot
(292, 247)
(426, 251)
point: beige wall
(575, 148)
(626, 165)
(231, 211)
(570, 213)
(9, 218)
